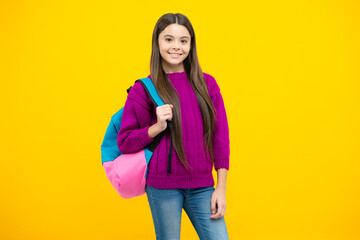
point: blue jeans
(166, 207)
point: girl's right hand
(163, 113)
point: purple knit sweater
(140, 113)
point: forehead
(175, 30)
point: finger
(221, 209)
(163, 107)
(164, 111)
(167, 115)
(164, 118)
(223, 213)
(217, 215)
(213, 205)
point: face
(174, 44)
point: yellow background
(289, 75)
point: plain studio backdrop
(289, 75)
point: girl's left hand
(218, 198)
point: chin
(171, 61)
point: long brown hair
(169, 94)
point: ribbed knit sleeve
(221, 139)
(136, 120)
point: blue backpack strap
(155, 98)
(151, 91)
(157, 101)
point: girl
(180, 178)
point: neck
(172, 68)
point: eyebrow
(167, 35)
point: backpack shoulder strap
(151, 91)
(155, 98)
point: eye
(184, 41)
(167, 39)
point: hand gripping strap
(157, 101)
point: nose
(176, 45)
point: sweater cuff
(221, 163)
(143, 137)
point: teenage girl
(180, 171)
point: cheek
(187, 50)
(163, 54)
(163, 50)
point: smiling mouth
(175, 54)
